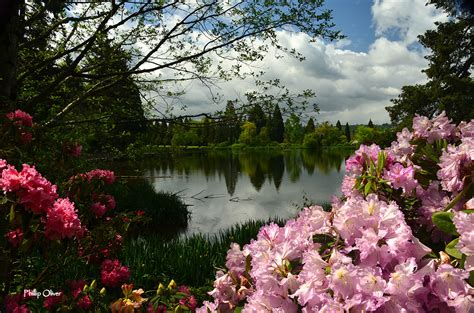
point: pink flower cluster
(113, 273)
(363, 256)
(62, 220)
(438, 128)
(34, 191)
(38, 195)
(105, 175)
(102, 204)
(21, 120)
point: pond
(223, 188)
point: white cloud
(350, 86)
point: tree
(370, 124)
(450, 86)
(348, 132)
(40, 37)
(257, 116)
(293, 130)
(277, 127)
(309, 126)
(248, 134)
(338, 125)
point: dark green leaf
(444, 222)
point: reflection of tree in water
(258, 165)
(231, 172)
(277, 168)
(293, 165)
(326, 160)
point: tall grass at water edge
(190, 260)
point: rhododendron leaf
(430, 153)
(451, 249)
(444, 221)
(380, 162)
(3, 200)
(471, 278)
(12, 213)
(238, 309)
(367, 188)
(468, 211)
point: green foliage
(293, 130)
(347, 132)
(277, 127)
(248, 134)
(165, 212)
(309, 126)
(257, 117)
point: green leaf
(452, 250)
(444, 221)
(471, 278)
(380, 162)
(3, 200)
(367, 188)
(468, 211)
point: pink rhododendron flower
(36, 192)
(105, 175)
(401, 177)
(465, 226)
(98, 209)
(62, 220)
(26, 137)
(20, 118)
(113, 274)
(15, 237)
(466, 130)
(456, 164)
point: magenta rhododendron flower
(62, 220)
(114, 274)
(98, 209)
(105, 175)
(15, 237)
(84, 302)
(20, 118)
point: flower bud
(102, 291)
(160, 289)
(172, 285)
(93, 284)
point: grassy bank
(191, 260)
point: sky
(354, 78)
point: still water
(224, 187)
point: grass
(192, 260)
(167, 212)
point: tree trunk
(9, 26)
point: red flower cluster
(12, 304)
(62, 220)
(102, 204)
(113, 273)
(33, 190)
(105, 175)
(21, 120)
(15, 237)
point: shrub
(400, 239)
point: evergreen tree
(338, 125)
(348, 132)
(232, 123)
(277, 127)
(257, 117)
(309, 126)
(371, 125)
(450, 86)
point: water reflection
(224, 188)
